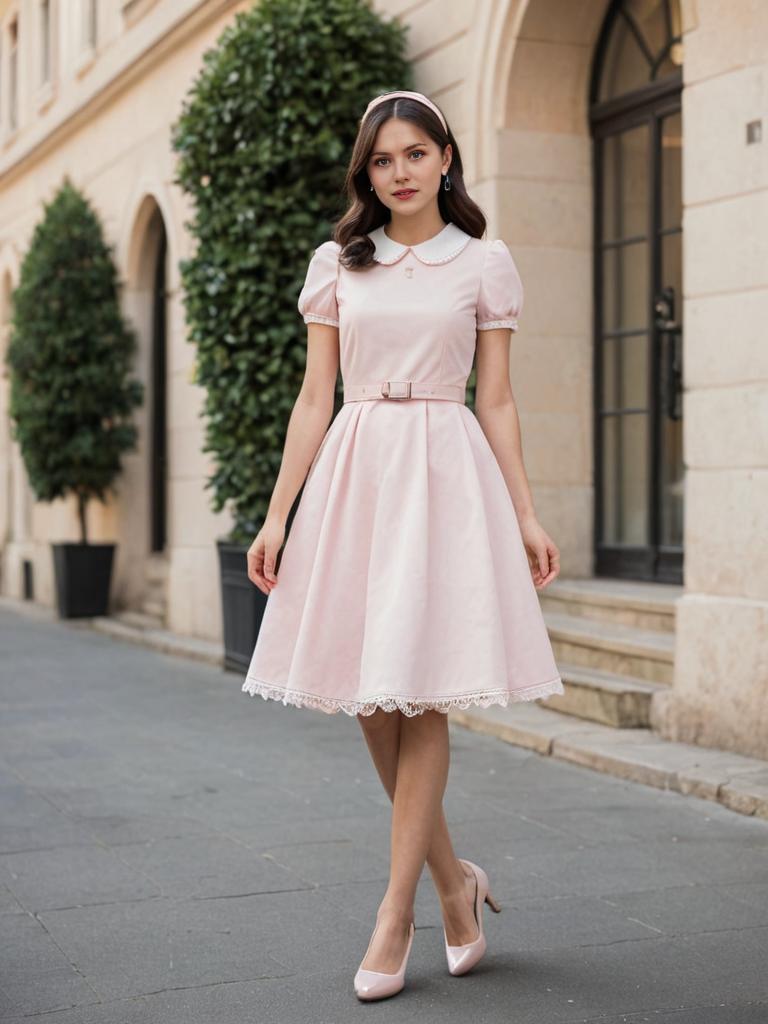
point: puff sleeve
(500, 298)
(317, 300)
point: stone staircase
(613, 641)
(155, 602)
(151, 616)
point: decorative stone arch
(533, 160)
(534, 179)
(146, 235)
(148, 197)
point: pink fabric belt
(398, 389)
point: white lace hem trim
(409, 706)
(489, 325)
(317, 318)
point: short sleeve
(500, 298)
(317, 300)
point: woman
(408, 584)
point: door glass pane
(634, 372)
(634, 478)
(625, 479)
(671, 171)
(625, 287)
(625, 373)
(625, 184)
(626, 66)
(638, 50)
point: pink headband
(411, 95)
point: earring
(447, 184)
(371, 189)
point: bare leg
(411, 756)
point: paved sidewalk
(174, 851)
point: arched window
(641, 44)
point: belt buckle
(404, 392)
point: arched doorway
(636, 123)
(144, 491)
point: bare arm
(497, 414)
(307, 425)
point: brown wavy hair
(366, 211)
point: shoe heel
(492, 903)
(462, 958)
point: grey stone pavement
(174, 850)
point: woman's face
(405, 157)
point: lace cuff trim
(489, 325)
(316, 318)
(409, 706)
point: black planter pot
(242, 606)
(82, 573)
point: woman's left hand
(543, 554)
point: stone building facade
(618, 148)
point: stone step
(157, 638)
(606, 697)
(629, 602)
(139, 620)
(739, 783)
(613, 647)
(156, 570)
(154, 607)
(155, 600)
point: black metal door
(159, 431)
(639, 470)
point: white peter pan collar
(443, 246)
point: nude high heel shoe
(376, 984)
(463, 958)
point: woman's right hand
(262, 555)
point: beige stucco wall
(512, 77)
(720, 693)
(107, 125)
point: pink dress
(404, 582)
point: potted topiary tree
(69, 356)
(263, 139)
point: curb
(638, 755)
(160, 640)
(156, 639)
